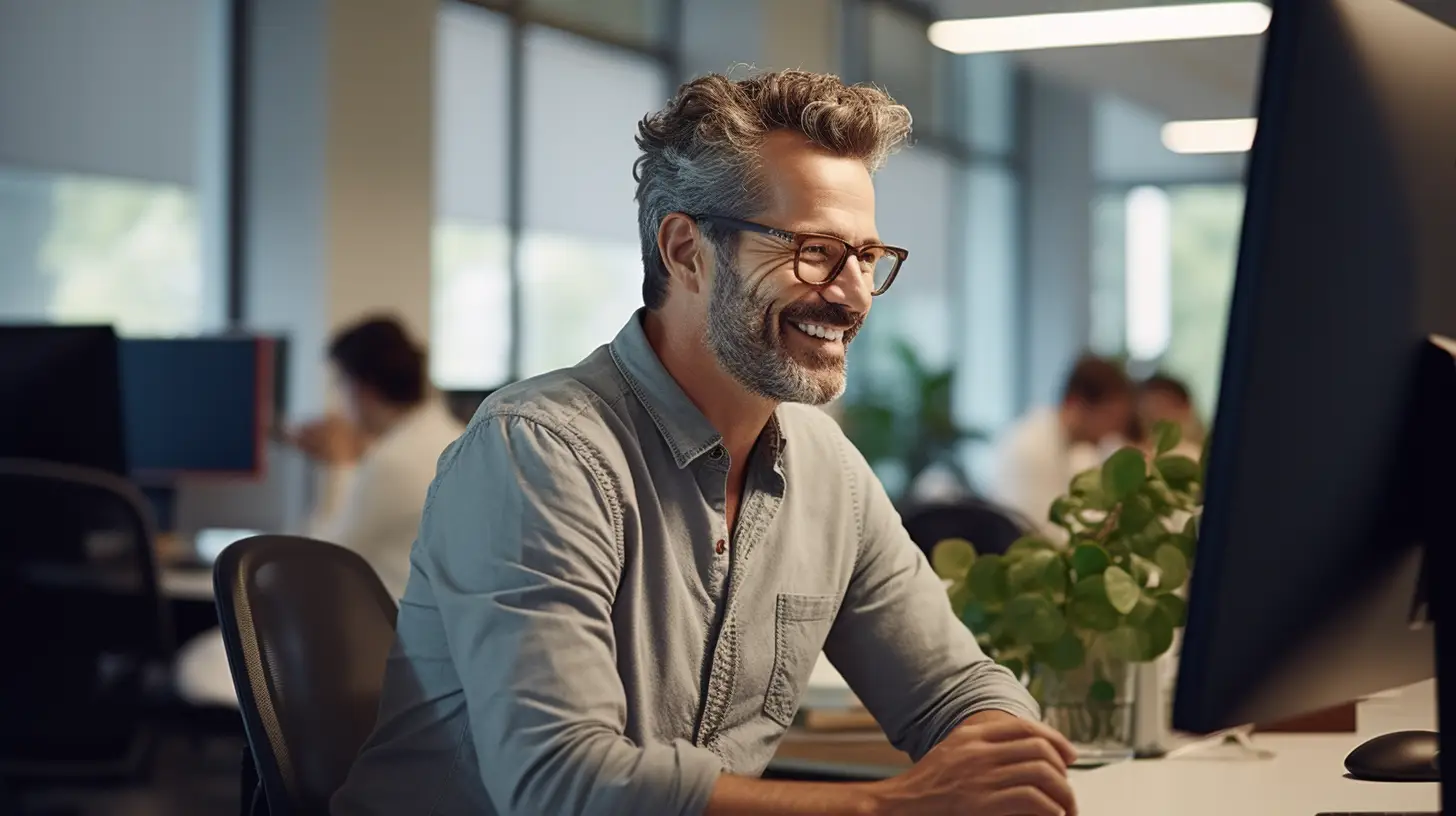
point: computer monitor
(1332, 463)
(197, 405)
(60, 396)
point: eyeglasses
(819, 258)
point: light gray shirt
(581, 633)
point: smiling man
(627, 569)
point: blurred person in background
(629, 568)
(375, 461)
(1036, 458)
(1163, 398)
(376, 458)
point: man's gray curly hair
(699, 154)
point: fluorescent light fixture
(1109, 27)
(1210, 135)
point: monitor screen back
(60, 397)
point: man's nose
(852, 287)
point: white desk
(1307, 776)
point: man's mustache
(827, 314)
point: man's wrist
(884, 797)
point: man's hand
(989, 766)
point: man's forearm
(744, 796)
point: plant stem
(1110, 523)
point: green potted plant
(1072, 618)
(909, 426)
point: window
(84, 249)
(1164, 269)
(581, 267)
(111, 161)
(1206, 220)
(636, 22)
(470, 323)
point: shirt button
(716, 452)
(721, 546)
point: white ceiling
(1193, 79)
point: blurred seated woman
(375, 463)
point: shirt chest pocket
(801, 625)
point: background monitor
(1318, 491)
(197, 405)
(60, 396)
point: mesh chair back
(307, 627)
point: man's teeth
(820, 332)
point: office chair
(88, 636)
(307, 627)
(990, 527)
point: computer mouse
(1400, 756)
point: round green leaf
(975, 616)
(1148, 541)
(1029, 544)
(1141, 569)
(1102, 691)
(1089, 559)
(1087, 482)
(1033, 619)
(1054, 577)
(1027, 570)
(1175, 607)
(1061, 511)
(1063, 654)
(1123, 474)
(1122, 590)
(952, 558)
(1179, 472)
(1089, 608)
(987, 579)
(1173, 565)
(960, 595)
(1157, 634)
(1146, 605)
(1137, 515)
(1168, 435)
(1125, 643)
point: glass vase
(1092, 706)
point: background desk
(186, 584)
(1306, 776)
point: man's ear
(680, 243)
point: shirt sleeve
(520, 542)
(899, 645)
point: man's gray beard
(749, 346)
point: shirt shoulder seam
(604, 479)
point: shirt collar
(687, 432)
